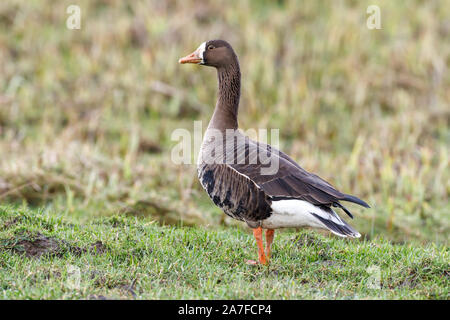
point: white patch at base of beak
(201, 50)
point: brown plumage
(230, 167)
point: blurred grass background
(86, 115)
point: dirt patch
(37, 245)
(32, 247)
(98, 248)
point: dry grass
(86, 115)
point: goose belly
(293, 214)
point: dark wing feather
(290, 181)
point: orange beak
(194, 57)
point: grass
(119, 257)
(86, 118)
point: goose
(231, 167)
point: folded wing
(289, 181)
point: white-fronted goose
(230, 168)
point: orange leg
(258, 236)
(269, 239)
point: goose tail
(337, 226)
(350, 198)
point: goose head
(213, 53)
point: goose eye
(210, 47)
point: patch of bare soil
(39, 244)
(33, 247)
(98, 248)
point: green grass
(86, 118)
(140, 259)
